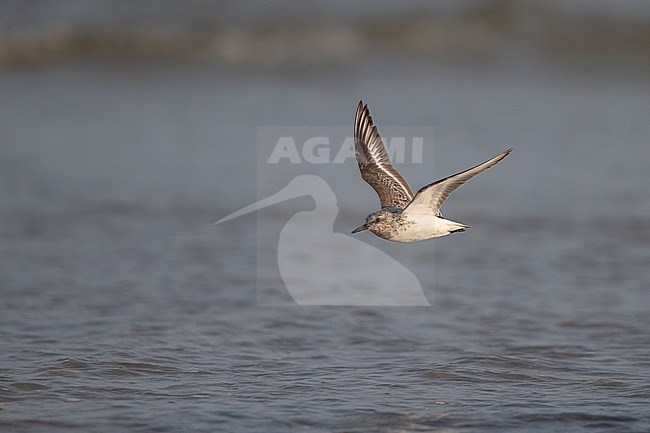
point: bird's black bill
(360, 229)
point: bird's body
(399, 227)
(404, 216)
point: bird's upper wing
(375, 165)
(429, 198)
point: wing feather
(374, 163)
(431, 197)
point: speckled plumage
(404, 217)
(376, 169)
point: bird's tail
(455, 227)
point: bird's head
(373, 220)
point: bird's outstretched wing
(429, 198)
(375, 165)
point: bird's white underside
(422, 226)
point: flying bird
(404, 217)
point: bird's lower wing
(431, 197)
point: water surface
(124, 307)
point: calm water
(123, 308)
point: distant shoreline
(486, 30)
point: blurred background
(128, 127)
